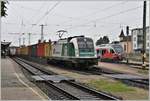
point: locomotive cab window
(85, 45)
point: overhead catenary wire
(21, 17)
(46, 13)
(105, 9)
(109, 16)
(82, 25)
(93, 13)
(37, 12)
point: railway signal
(127, 32)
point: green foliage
(105, 39)
(110, 86)
(3, 8)
(102, 40)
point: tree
(3, 8)
(99, 41)
(105, 40)
(102, 40)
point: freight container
(29, 50)
(21, 50)
(40, 49)
(34, 50)
(47, 49)
(18, 51)
(24, 50)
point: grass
(143, 71)
(119, 89)
(111, 87)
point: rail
(69, 89)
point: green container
(34, 50)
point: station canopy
(5, 45)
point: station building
(126, 42)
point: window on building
(124, 47)
(148, 44)
(147, 37)
(134, 38)
(134, 45)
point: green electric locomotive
(75, 51)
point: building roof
(5, 45)
(147, 27)
(121, 34)
(126, 38)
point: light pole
(144, 35)
(127, 32)
(29, 38)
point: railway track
(133, 65)
(141, 83)
(137, 82)
(65, 89)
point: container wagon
(77, 51)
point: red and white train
(113, 52)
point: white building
(137, 39)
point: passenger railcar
(112, 52)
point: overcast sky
(89, 18)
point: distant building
(137, 39)
(126, 42)
(115, 42)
